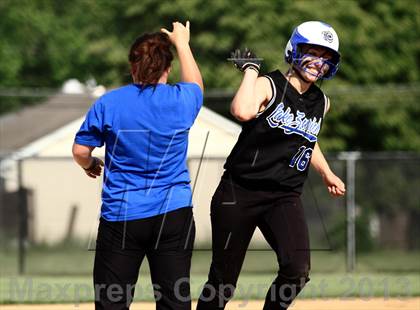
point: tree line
(45, 42)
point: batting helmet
(314, 33)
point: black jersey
(273, 151)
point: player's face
(314, 62)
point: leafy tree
(45, 42)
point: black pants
(166, 240)
(235, 213)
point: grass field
(76, 260)
(62, 274)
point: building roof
(20, 128)
(45, 129)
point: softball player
(146, 198)
(282, 115)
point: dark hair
(150, 55)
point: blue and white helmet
(315, 33)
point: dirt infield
(316, 304)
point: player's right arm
(252, 96)
(254, 92)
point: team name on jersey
(294, 124)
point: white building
(42, 136)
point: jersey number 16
(301, 159)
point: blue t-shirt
(145, 132)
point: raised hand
(180, 34)
(245, 60)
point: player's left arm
(82, 155)
(335, 186)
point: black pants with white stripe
(167, 242)
(235, 213)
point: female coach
(146, 198)
(265, 172)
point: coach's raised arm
(180, 37)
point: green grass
(78, 261)
(63, 274)
(39, 289)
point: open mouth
(313, 70)
(314, 66)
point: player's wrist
(182, 45)
(92, 164)
(251, 68)
(325, 173)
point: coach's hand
(245, 60)
(336, 187)
(180, 34)
(95, 168)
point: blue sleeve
(91, 132)
(192, 96)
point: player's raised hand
(180, 34)
(245, 59)
(335, 186)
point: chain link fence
(49, 212)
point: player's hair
(150, 55)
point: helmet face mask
(314, 60)
(313, 35)
(313, 65)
